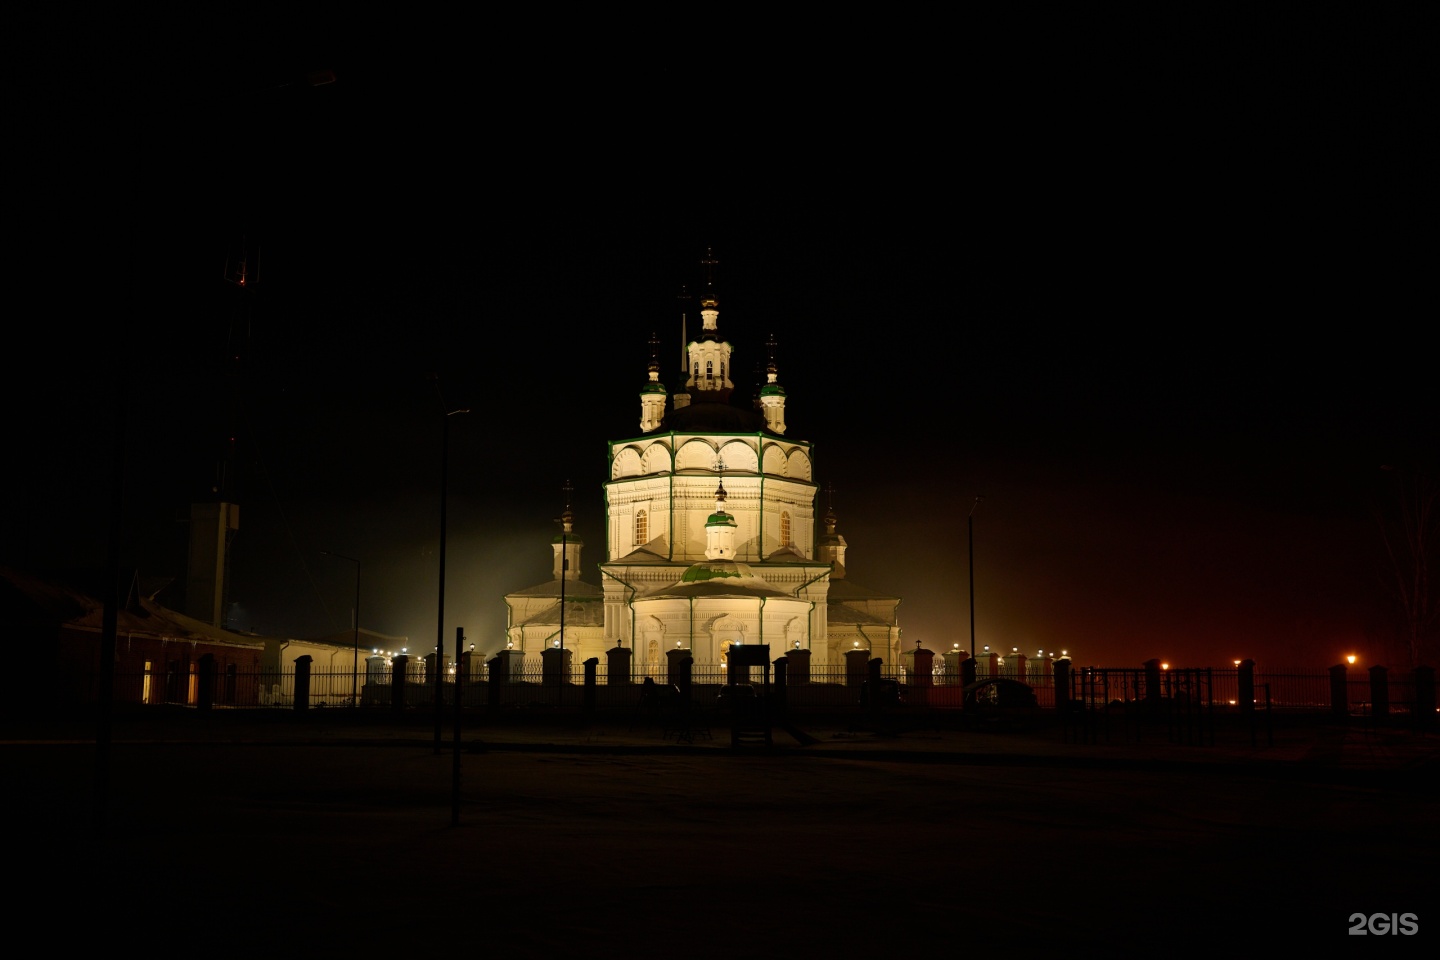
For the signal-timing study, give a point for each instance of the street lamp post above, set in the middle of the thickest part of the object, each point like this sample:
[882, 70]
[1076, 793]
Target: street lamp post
[970, 524]
[444, 499]
[566, 519]
[355, 659]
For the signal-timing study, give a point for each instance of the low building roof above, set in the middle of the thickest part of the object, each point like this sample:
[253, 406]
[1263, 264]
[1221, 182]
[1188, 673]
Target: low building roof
[579, 612]
[574, 589]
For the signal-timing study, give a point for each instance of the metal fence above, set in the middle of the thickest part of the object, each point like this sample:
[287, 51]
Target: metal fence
[529, 685]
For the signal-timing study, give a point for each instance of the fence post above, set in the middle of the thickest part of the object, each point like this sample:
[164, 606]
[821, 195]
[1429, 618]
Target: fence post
[677, 662]
[855, 667]
[1245, 681]
[1152, 682]
[493, 680]
[587, 703]
[797, 666]
[683, 666]
[1380, 692]
[1339, 691]
[1062, 686]
[617, 666]
[555, 666]
[778, 694]
[922, 666]
[302, 683]
[399, 669]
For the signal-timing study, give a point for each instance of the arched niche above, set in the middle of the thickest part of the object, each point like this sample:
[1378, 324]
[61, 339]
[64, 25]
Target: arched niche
[739, 457]
[656, 459]
[695, 454]
[627, 463]
[776, 463]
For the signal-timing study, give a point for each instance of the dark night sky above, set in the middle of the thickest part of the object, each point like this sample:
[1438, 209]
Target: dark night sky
[1168, 327]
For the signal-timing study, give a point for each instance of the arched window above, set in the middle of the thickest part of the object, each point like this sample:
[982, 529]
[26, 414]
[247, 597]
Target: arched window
[709, 370]
[784, 528]
[642, 528]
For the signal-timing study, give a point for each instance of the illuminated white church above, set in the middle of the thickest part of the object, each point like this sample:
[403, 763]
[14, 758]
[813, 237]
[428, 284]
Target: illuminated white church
[711, 538]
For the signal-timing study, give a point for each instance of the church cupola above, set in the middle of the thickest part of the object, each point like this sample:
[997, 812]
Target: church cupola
[772, 395]
[709, 356]
[567, 545]
[652, 395]
[720, 530]
[830, 548]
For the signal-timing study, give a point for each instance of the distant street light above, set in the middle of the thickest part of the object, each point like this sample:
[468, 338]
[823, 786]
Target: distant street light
[355, 660]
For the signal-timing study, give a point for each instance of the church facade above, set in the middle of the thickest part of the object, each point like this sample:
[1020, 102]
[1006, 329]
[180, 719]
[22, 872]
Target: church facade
[711, 536]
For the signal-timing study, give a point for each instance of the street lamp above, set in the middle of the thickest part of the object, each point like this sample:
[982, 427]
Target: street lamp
[970, 524]
[355, 660]
[566, 520]
[447, 413]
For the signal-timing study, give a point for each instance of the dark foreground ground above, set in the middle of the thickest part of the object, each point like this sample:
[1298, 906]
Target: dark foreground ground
[327, 835]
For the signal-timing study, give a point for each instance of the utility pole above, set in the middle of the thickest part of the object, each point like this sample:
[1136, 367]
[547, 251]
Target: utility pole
[566, 519]
[970, 523]
[446, 414]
